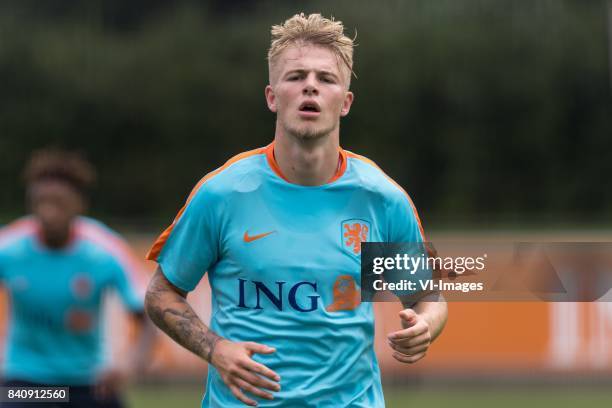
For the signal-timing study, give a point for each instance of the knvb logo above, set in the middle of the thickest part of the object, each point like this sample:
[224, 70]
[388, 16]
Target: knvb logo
[82, 286]
[346, 296]
[353, 233]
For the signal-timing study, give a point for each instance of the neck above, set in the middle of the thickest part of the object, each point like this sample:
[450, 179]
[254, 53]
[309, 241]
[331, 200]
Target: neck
[56, 239]
[307, 162]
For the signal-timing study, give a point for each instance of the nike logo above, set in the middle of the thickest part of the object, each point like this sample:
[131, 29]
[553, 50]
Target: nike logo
[252, 238]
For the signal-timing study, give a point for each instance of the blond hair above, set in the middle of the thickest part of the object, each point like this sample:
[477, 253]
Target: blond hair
[313, 29]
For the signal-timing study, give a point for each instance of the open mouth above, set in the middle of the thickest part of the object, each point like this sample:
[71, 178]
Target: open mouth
[310, 106]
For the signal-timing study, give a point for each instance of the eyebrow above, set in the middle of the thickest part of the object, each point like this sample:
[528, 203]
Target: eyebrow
[303, 71]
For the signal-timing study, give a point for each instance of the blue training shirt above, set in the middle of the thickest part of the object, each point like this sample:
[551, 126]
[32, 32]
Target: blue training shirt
[54, 333]
[283, 262]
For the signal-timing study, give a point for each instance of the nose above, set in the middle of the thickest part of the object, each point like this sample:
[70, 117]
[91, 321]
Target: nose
[310, 85]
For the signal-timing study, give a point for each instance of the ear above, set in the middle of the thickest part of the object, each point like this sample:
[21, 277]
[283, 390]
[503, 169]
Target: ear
[346, 104]
[270, 98]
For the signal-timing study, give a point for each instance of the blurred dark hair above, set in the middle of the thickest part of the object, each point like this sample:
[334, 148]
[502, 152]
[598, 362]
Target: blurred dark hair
[61, 165]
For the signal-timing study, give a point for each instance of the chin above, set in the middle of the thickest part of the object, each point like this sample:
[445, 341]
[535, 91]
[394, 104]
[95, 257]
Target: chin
[309, 131]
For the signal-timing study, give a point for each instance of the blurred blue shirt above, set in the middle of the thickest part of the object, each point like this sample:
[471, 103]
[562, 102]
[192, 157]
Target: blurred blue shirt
[54, 332]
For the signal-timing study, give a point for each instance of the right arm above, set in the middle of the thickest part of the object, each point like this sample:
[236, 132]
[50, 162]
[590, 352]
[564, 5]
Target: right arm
[168, 308]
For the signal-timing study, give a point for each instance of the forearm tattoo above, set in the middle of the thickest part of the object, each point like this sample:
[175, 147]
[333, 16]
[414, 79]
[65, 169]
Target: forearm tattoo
[172, 314]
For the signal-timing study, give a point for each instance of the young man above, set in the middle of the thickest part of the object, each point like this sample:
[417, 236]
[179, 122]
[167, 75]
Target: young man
[57, 266]
[279, 230]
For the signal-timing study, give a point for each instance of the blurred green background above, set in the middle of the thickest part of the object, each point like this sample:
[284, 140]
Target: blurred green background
[472, 397]
[486, 111]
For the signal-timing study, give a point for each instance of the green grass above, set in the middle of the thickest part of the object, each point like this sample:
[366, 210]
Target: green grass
[189, 396]
[171, 396]
[501, 398]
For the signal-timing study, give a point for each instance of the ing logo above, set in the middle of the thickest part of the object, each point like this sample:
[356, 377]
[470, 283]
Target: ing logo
[302, 296]
[353, 233]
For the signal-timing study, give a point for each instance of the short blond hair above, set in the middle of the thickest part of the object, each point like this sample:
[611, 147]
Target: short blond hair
[313, 29]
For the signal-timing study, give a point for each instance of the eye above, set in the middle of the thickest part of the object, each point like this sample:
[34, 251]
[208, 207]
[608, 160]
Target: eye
[328, 80]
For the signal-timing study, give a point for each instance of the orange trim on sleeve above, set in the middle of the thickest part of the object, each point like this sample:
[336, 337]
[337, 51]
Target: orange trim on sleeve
[269, 149]
[159, 243]
[370, 162]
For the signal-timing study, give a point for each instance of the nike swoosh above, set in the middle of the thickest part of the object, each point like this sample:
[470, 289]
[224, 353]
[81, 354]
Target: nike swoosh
[252, 238]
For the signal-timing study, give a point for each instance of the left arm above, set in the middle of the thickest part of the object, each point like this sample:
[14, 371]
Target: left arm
[422, 323]
[425, 312]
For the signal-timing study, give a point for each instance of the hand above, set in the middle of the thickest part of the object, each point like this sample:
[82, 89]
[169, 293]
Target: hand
[411, 343]
[240, 372]
[109, 383]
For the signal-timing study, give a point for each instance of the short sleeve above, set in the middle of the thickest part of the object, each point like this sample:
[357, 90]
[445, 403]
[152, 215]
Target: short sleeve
[405, 230]
[404, 222]
[3, 247]
[116, 258]
[189, 247]
[11, 235]
[127, 282]
[2, 264]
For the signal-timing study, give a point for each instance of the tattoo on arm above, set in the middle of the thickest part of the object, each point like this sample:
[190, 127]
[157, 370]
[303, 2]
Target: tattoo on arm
[170, 311]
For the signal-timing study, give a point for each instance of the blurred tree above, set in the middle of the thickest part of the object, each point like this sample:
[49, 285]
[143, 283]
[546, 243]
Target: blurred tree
[484, 110]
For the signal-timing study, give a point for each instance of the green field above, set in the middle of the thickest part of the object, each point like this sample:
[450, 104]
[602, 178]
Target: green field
[189, 396]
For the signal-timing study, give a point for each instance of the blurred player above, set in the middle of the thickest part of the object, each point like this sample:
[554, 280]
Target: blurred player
[56, 266]
[279, 230]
